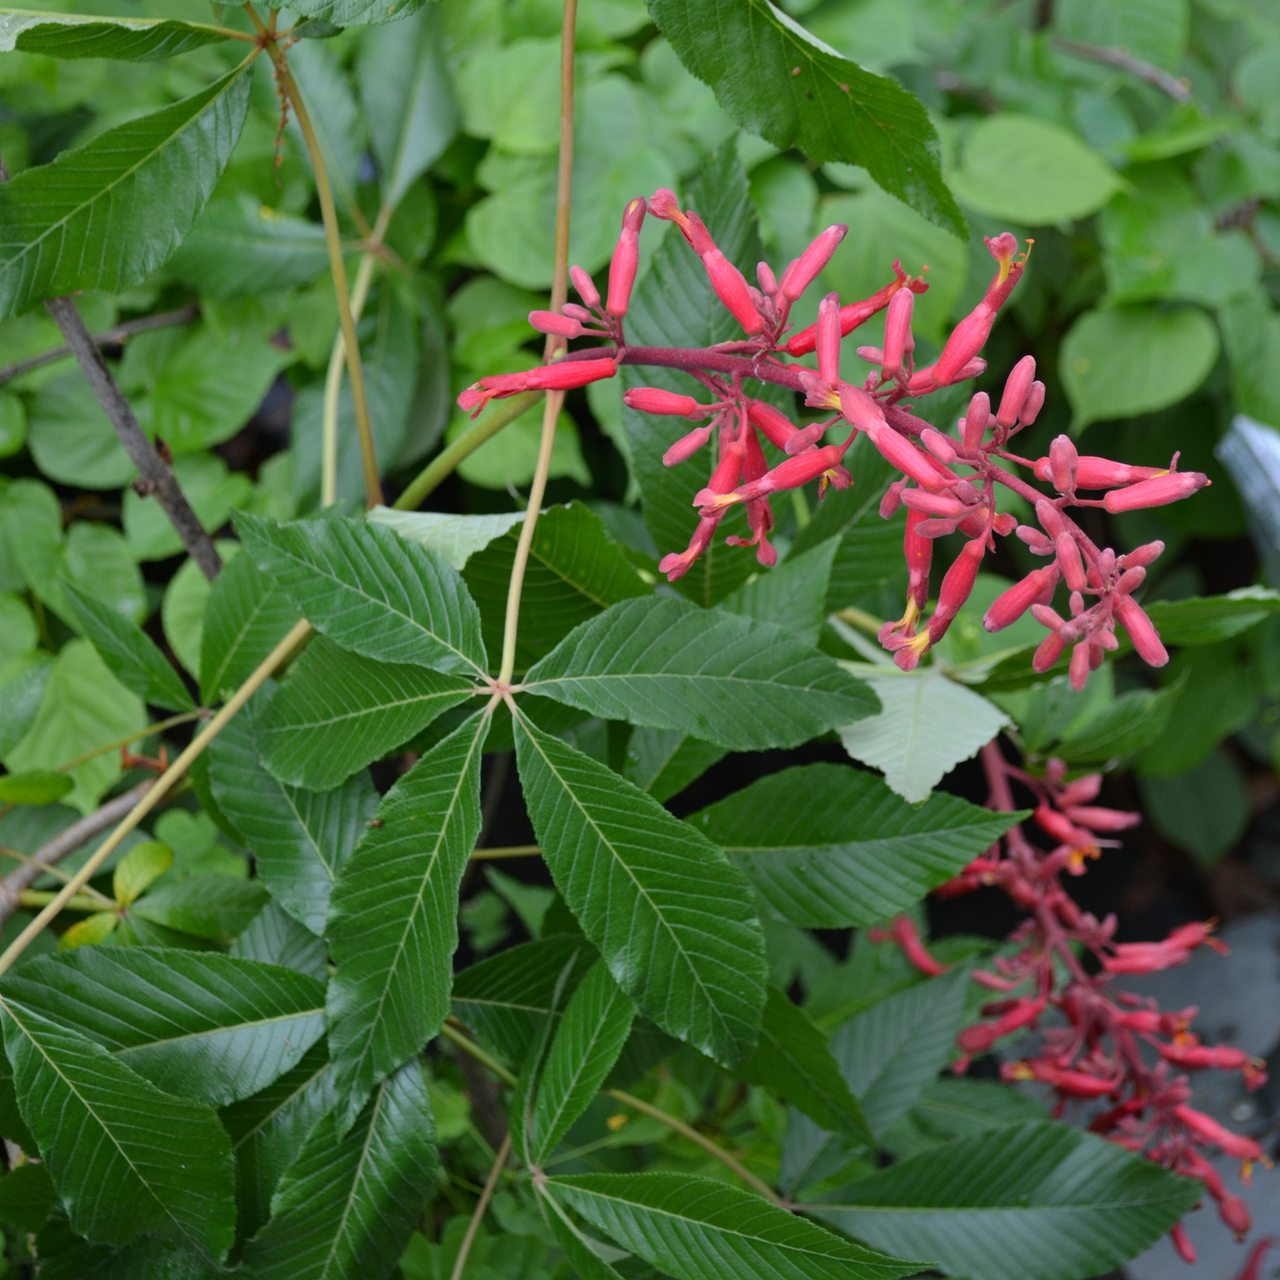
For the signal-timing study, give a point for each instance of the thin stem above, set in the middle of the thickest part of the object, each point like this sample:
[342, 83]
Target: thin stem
[701, 1139]
[78, 902]
[159, 727]
[1177, 88]
[482, 1204]
[467, 1045]
[44, 868]
[163, 785]
[555, 399]
[445, 463]
[333, 237]
[509, 851]
[337, 362]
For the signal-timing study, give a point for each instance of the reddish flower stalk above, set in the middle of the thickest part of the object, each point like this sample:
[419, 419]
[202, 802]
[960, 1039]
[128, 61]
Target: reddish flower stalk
[954, 476]
[1096, 1052]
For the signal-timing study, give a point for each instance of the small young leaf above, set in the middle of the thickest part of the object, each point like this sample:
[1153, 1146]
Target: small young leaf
[125, 1157]
[595, 1026]
[673, 919]
[370, 591]
[347, 1204]
[89, 931]
[35, 787]
[143, 863]
[669, 665]
[393, 917]
[699, 1229]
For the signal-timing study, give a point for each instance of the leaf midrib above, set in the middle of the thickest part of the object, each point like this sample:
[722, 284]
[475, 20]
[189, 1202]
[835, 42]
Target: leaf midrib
[214, 1031]
[275, 1111]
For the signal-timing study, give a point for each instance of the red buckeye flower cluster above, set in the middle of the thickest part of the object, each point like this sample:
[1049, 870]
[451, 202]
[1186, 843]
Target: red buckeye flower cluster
[1105, 1046]
[948, 480]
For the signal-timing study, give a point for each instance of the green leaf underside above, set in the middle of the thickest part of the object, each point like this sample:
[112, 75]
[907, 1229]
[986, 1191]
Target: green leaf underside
[298, 838]
[356, 13]
[125, 1157]
[794, 1059]
[506, 999]
[347, 1204]
[829, 846]
[726, 679]
[393, 917]
[370, 591]
[103, 215]
[695, 1229]
[595, 1026]
[1036, 1199]
[129, 652]
[201, 1025]
[339, 711]
[66, 35]
[777, 80]
[672, 917]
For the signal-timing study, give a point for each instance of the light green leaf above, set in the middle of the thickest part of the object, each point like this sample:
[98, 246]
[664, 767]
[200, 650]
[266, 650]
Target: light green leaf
[13, 424]
[143, 863]
[101, 216]
[673, 919]
[84, 707]
[928, 725]
[1132, 360]
[1031, 1202]
[890, 1052]
[669, 665]
[393, 916]
[696, 1228]
[828, 846]
[299, 838]
[595, 1026]
[337, 712]
[511, 95]
[453, 538]
[246, 616]
[793, 595]
[1154, 30]
[209, 906]
[347, 1204]
[197, 1024]
[129, 652]
[777, 80]
[1204, 811]
[182, 610]
[1031, 171]
[794, 1059]
[68, 35]
[583, 1254]
[125, 1157]
[34, 787]
[370, 591]
[211, 489]
[72, 439]
[665, 761]
[20, 700]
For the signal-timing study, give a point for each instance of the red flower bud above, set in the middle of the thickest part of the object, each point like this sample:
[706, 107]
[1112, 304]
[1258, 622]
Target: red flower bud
[1099, 473]
[829, 339]
[585, 286]
[774, 425]
[956, 586]
[976, 420]
[903, 932]
[561, 376]
[1050, 518]
[575, 312]
[731, 289]
[1063, 463]
[550, 322]
[1235, 1145]
[1070, 562]
[857, 313]
[1039, 544]
[1032, 405]
[1185, 1249]
[897, 333]
[1130, 581]
[935, 504]
[1146, 639]
[942, 447]
[1016, 387]
[626, 258]
[793, 473]
[1099, 819]
[1235, 1213]
[1156, 492]
[805, 438]
[1013, 603]
[1050, 650]
[688, 445]
[804, 270]
[892, 499]
[764, 275]
[655, 400]
[1079, 667]
[918, 552]
[1143, 555]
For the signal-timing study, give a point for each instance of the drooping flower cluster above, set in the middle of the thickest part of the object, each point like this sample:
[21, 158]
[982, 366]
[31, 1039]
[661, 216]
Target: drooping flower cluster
[1106, 1045]
[948, 480]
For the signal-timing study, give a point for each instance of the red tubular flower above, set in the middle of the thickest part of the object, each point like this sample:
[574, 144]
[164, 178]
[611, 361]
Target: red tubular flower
[655, 400]
[956, 586]
[774, 425]
[919, 553]
[1072, 1084]
[626, 258]
[1156, 492]
[1049, 651]
[1099, 473]
[1146, 639]
[935, 504]
[903, 932]
[1008, 607]
[1016, 387]
[723, 480]
[759, 513]
[562, 376]
[982, 1035]
[1186, 1250]
[1236, 1145]
[976, 420]
[1204, 1057]
[804, 270]
[828, 340]
[1100, 819]
[857, 313]
[550, 322]
[923, 381]
[897, 333]
[969, 336]
[805, 438]
[1064, 462]
[790, 474]
[942, 447]
[688, 445]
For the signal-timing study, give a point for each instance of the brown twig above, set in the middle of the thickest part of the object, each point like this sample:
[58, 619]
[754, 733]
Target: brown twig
[1176, 87]
[482, 1204]
[65, 842]
[482, 1093]
[155, 475]
[121, 333]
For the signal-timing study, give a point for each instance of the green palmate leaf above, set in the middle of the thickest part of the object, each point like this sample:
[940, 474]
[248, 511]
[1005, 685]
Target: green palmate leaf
[664, 761]
[506, 999]
[298, 838]
[209, 906]
[1031, 1202]
[927, 726]
[198, 1024]
[892, 1051]
[348, 1202]
[674, 305]
[408, 100]
[595, 1026]
[669, 665]
[339, 711]
[268, 1131]
[243, 247]
[828, 846]
[697, 1229]
[794, 1059]
[129, 652]
[779, 81]
[370, 591]
[246, 617]
[575, 570]
[393, 918]
[103, 215]
[672, 917]
[793, 595]
[125, 1157]
[453, 538]
[67, 35]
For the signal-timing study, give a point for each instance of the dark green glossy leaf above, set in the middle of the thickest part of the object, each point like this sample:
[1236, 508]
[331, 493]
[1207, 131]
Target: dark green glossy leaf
[65, 1256]
[209, 906]
[665, 761]
[27, 1194]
